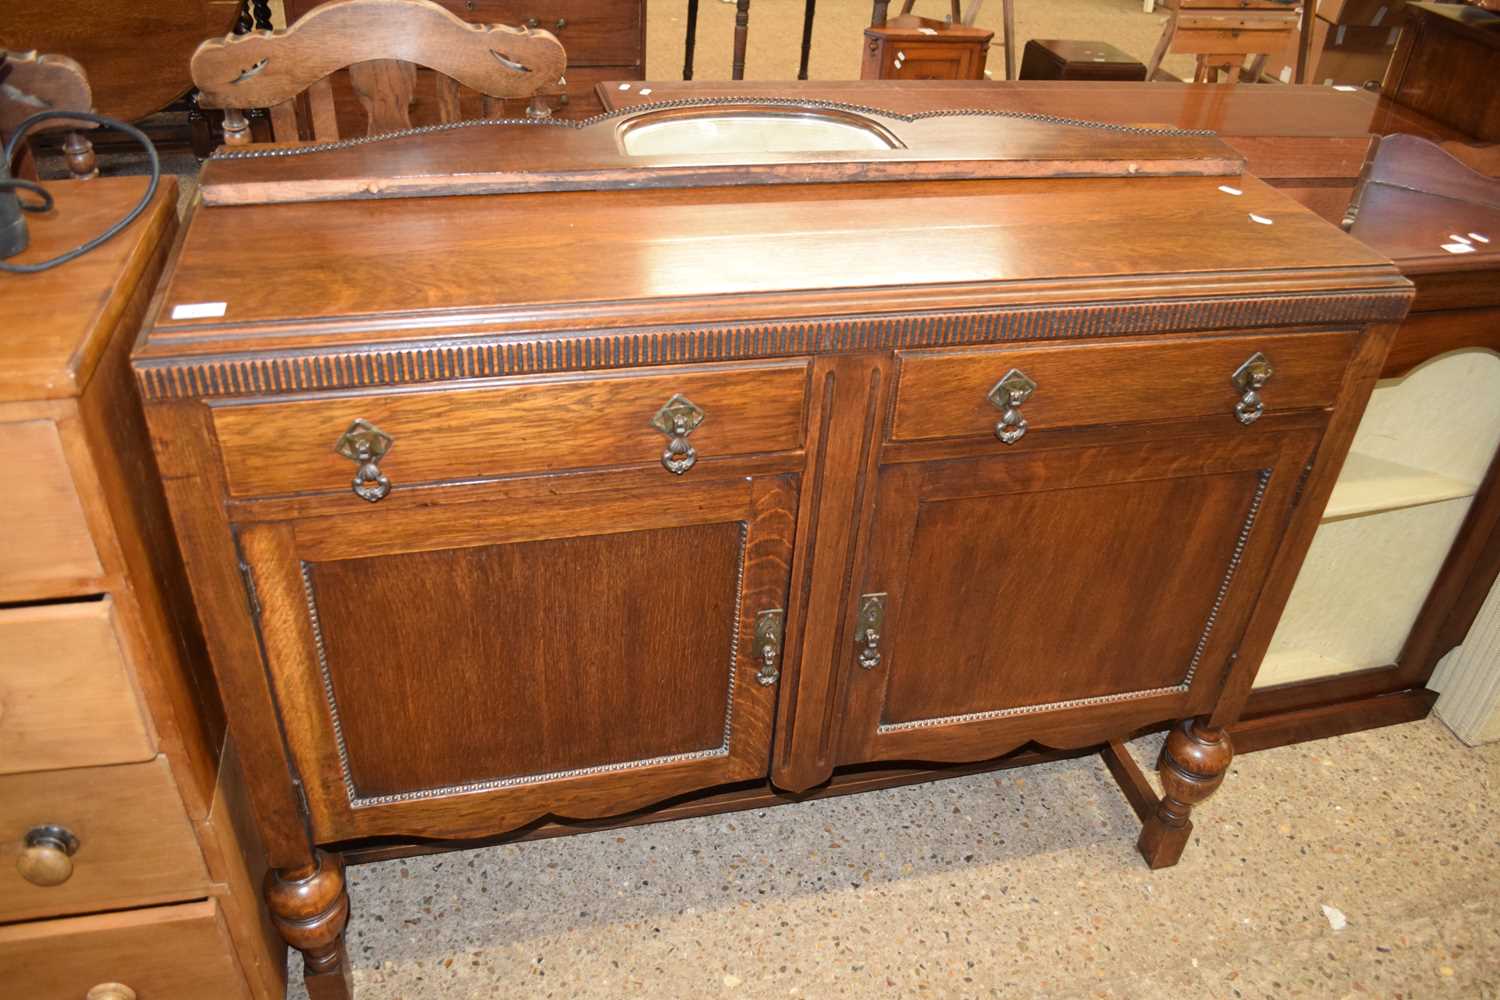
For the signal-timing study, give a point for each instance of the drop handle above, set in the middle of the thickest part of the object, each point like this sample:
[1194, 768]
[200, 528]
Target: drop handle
[365, 445]
[1249, 378]
[769, 626]
[47, 858]
[871, 623]
[677, 418]
[1007, 395]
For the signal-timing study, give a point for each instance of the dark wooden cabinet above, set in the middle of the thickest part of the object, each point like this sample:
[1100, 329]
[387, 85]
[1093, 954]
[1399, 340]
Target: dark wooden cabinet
[528, 654]
[574, 508]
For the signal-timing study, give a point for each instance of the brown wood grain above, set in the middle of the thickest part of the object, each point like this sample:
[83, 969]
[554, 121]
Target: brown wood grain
[944, 393]
[64, 959]
[521, 425]
[136, 55]
[259, 69]
[70, 700]
[135, 843]
[45, 545]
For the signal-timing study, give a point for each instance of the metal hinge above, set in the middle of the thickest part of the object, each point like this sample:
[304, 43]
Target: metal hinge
[251, 595]
[1302, 481]
[301, 791]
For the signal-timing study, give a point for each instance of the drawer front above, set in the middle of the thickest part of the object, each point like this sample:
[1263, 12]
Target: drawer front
[64, 959]
[943, 394]
[67, 698]
[133, 841]
[44, 539]
[518, 426]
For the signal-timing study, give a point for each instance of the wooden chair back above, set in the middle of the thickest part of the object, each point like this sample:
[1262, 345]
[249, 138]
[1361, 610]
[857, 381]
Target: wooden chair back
[30, 82]
[381, 43]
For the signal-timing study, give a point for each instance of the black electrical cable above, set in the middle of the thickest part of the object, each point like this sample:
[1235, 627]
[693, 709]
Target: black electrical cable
[15, 184]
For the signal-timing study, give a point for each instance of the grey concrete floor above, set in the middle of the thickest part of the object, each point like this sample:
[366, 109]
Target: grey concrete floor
[1020, 883]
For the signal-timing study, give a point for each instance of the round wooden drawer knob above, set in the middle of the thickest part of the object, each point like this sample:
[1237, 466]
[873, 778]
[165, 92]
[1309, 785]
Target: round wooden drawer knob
[47, 858]
[111, 991]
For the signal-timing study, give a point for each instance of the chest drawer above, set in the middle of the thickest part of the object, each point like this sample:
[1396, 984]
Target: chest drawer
[131, 841]
[66, 696]
[947, 394]
[65, 959]
[529, 425]
[44, 540]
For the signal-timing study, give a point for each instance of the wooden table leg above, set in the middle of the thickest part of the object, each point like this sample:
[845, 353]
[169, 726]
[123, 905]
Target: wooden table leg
[310, 909]
[741, 37]
[807, 30]
[692, 39]
[877, 19]
[1192, 765]
[1008, 9]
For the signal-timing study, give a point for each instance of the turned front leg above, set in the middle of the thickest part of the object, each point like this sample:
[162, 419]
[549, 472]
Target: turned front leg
[310, 909]
[1192, 765]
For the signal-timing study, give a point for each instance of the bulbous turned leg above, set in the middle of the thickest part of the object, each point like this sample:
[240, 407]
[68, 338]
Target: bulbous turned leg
[310, 909]
[1192, 765]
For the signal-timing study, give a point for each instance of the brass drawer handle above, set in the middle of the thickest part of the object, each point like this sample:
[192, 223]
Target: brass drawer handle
[1008, 395]
[1249, 378]
[678, 418]
[110, 991]
[365, 444]
[47, 859]
[871, 622]
[768, 631]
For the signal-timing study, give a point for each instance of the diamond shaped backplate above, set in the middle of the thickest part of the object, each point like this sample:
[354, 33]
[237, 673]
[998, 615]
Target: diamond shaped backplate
[1012, 390]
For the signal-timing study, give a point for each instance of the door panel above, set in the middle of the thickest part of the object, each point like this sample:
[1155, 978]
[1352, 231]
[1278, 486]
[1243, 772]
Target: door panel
[1057, 596]
[491, 672]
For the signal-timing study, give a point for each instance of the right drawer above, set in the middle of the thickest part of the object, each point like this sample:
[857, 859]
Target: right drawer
[945, 394]
[163, 953]
[66, 696]
[130, 837]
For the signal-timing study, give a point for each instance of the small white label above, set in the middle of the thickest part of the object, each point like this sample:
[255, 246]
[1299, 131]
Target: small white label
[1285, 76]
[1261, 219]
[1346, 88]
[644, 91]
[1478, 238]
[1230, 190]
[199, 310]
[624, 86]
[900, 56]
[926, 31]
[1455, 238]
[1459, 247]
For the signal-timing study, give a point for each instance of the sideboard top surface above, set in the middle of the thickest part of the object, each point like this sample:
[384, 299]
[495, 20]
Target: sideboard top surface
[362, 273]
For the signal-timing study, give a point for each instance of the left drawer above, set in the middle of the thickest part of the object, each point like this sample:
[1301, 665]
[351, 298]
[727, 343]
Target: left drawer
[67, 698]
[162, 953]
[129, 838]
[536, 424]
[45, 546]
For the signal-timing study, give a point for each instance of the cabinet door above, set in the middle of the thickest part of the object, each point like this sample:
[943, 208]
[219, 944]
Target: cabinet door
[458, 668]
[1064, 596]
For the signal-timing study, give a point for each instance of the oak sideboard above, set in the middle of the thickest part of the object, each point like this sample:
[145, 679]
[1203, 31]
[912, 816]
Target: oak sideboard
[557, 506]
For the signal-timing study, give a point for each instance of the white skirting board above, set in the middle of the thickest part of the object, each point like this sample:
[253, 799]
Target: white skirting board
[1469, 679]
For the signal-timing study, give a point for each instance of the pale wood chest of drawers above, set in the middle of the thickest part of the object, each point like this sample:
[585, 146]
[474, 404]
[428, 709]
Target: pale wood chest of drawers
[121, 823]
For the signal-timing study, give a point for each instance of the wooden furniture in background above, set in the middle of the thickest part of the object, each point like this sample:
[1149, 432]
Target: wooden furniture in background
[30, 83]
[604, 40]
[1410, 544]
[126, 850]
[381, 43]
[135, 54]
[1347, 42]
[1445, 67]
[383, 456]
[1065, 59]
[1221, 33]
[909, 47]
